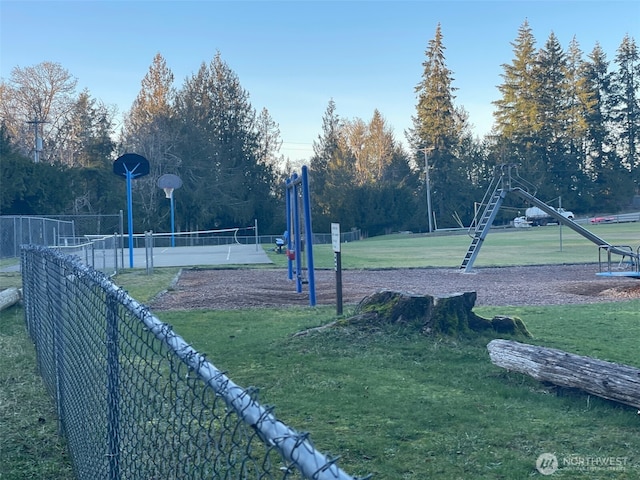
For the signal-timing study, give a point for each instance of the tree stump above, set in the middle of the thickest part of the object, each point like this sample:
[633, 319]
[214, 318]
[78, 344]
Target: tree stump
[448, 315]
[613, 381]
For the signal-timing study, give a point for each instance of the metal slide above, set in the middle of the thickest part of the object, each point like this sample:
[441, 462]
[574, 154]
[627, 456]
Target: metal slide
[617, 250]
[503, 183]
[561, 219]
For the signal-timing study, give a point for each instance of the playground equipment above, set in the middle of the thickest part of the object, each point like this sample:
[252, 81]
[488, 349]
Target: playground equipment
[298, 204]
[506, 180]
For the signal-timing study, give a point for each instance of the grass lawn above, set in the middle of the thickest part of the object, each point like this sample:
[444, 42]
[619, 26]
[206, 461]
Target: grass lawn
[390, 402]
[525, 246]
[401, 405]
[29, 445]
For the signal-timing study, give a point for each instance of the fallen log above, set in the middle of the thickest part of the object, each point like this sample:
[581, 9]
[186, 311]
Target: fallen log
[613, 381]
[9, 297]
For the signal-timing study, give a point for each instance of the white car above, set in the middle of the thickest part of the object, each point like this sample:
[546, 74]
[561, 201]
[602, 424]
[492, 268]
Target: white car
[521, 222]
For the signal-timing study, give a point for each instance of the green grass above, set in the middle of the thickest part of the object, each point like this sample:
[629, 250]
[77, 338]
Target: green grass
[10, 279]
[532, 246]
[144, 287]
[401, 405]
[392, 403]
[29, 445]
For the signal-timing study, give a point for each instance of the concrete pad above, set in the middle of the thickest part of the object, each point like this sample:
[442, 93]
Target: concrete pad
[232, 254]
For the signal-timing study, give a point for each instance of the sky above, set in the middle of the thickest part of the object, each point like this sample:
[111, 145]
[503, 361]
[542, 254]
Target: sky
[294, 57]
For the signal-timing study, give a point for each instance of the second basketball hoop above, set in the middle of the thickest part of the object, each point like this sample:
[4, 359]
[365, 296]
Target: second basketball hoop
[169, 182]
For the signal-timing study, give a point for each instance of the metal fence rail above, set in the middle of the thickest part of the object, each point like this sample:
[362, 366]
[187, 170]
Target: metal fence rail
[134, 400]
[100, 252]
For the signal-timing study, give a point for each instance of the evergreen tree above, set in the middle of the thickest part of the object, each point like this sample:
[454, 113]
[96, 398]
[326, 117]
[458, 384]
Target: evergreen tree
[150, 131]
[436, 127]
[269, 141]
[325, 149]
[552, 103]
[516, 114]
[610, 186]
[225, 182]
[29, 188]
[85, 141]
[626, 111]
[12, 179]
[581, 103]
[84, 138]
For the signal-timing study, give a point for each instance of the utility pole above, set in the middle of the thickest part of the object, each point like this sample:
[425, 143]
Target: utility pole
[38, 141]
[427, 151]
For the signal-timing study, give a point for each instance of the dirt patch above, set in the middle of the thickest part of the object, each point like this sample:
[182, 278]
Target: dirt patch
[535, 285]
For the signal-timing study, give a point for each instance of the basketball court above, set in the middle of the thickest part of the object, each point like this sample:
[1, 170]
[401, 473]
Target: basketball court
[208, 255]
[196, 256]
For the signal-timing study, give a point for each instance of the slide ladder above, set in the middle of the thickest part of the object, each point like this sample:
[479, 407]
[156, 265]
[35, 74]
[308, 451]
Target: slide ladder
[484, 224]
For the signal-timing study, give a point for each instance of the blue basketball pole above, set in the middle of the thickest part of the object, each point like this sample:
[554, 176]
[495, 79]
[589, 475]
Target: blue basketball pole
[130, 166]
[173, 239]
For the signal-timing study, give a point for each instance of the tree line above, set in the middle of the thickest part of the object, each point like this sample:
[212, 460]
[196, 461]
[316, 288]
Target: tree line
[570, 123]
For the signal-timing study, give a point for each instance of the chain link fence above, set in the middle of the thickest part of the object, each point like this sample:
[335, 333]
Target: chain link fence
[78, 235]
[19, 230]
[134, 400]
[102, 253]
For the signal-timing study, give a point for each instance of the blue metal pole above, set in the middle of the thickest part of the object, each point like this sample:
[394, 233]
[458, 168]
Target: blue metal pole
[308, 235]
[296, 233]
[289, 230]
[130, 217]
[173, 240]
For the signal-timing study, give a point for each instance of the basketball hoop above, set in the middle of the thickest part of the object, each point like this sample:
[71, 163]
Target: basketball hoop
[169, 182]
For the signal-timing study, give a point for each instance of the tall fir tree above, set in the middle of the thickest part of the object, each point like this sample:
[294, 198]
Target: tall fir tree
[226, 182]
[325, 149]
[516, 112]
[436, 128]
[610, 184]
[581, 103]
[150, 131]
[626, 85]
[552, 107]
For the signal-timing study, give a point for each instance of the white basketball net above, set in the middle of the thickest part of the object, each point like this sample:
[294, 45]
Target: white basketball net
[168, 192]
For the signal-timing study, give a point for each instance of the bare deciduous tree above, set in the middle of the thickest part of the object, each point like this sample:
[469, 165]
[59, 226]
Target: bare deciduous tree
[42, 94]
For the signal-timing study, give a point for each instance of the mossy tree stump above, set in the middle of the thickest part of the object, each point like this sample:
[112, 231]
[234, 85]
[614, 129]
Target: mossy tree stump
[447, 315]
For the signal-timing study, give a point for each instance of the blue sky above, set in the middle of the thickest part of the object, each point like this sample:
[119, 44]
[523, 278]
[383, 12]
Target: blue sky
[294, 57]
